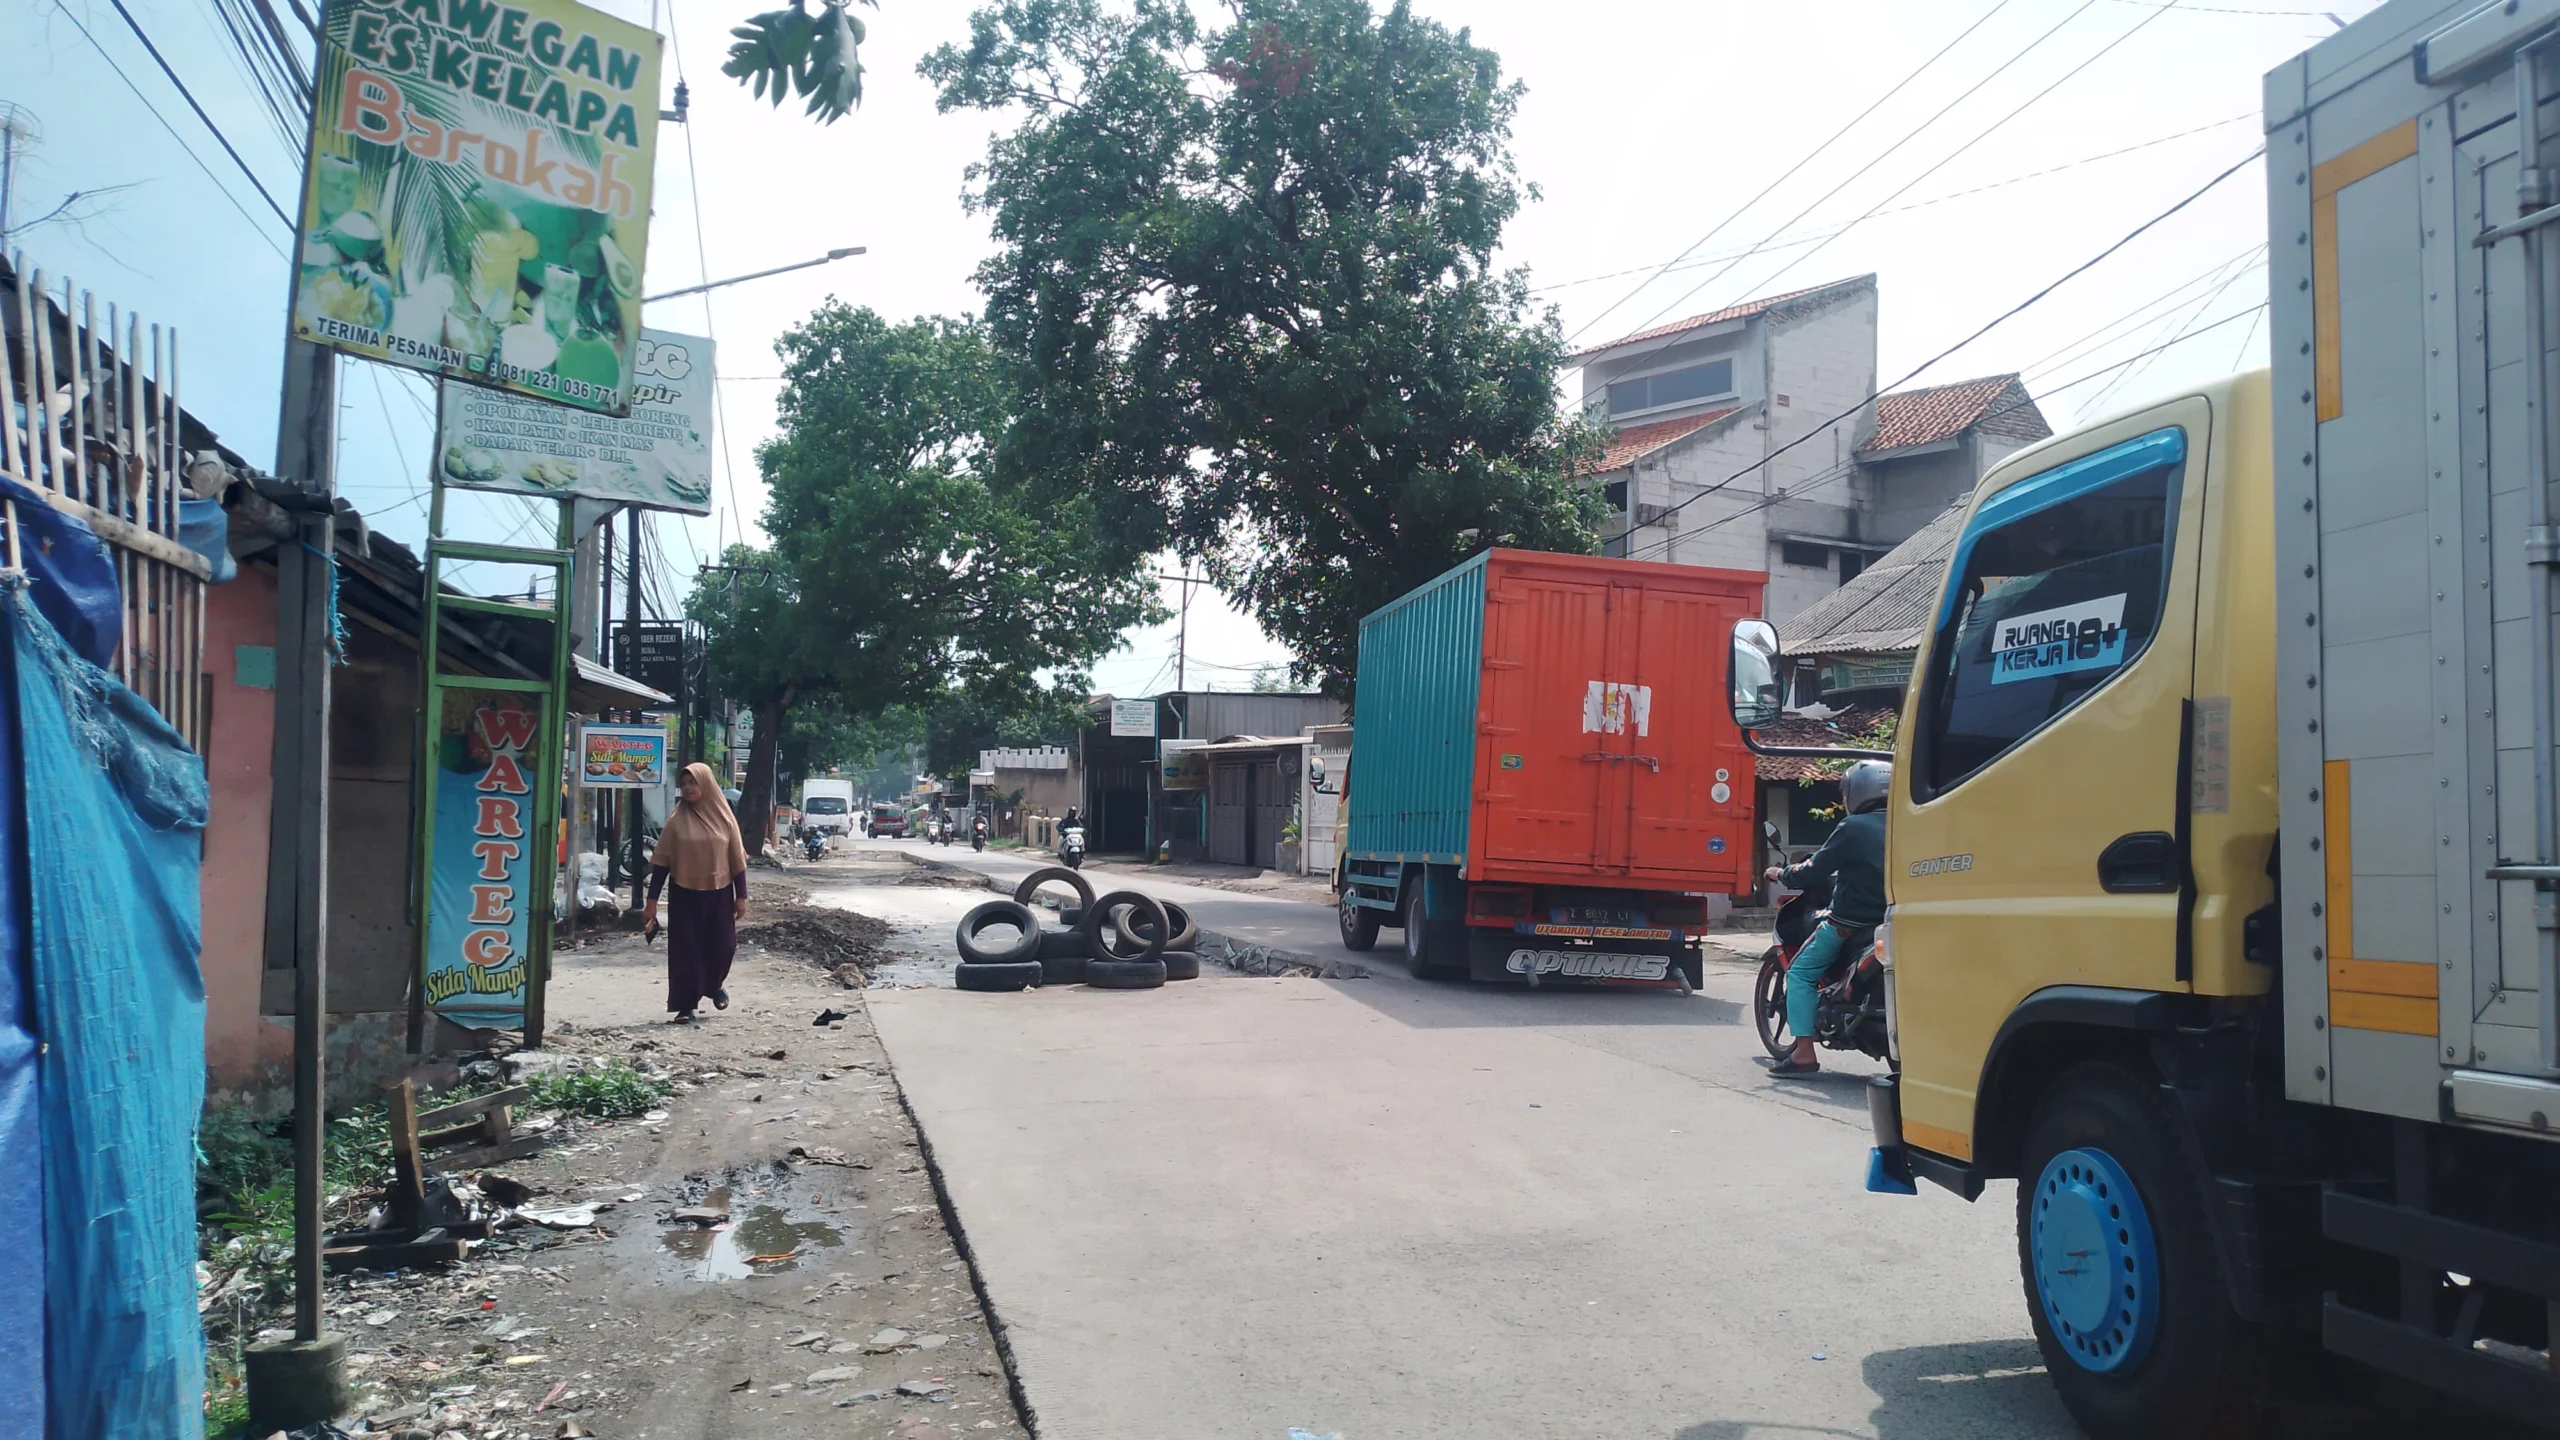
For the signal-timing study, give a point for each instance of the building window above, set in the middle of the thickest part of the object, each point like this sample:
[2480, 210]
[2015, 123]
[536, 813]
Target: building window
[1804, 556]
[1672, 387]
[1615, 492]
[1851, 562]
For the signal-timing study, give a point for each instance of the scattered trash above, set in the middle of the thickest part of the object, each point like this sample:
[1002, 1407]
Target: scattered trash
[1818, 1355]
[556, 1392]
[850, 1400]
[1301, 1433]
[923, 1389]
[654, 1117]
[776, 1054]
[572, 1430]
[510, 1193]
[805, 1337]
[827, 1155]
[561, 1217]
[829, 1017]
[745, 1384]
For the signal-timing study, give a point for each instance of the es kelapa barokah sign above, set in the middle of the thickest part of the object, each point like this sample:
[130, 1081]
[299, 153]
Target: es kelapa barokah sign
[477, 200]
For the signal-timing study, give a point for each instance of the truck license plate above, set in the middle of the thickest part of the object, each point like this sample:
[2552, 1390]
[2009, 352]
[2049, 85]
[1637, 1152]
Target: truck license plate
[1588, 964]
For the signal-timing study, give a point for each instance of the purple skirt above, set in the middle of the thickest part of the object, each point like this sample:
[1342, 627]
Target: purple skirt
[702, 938]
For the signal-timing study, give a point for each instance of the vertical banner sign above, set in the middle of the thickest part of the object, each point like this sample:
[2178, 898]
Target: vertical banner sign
[482, 886]
[476, 202]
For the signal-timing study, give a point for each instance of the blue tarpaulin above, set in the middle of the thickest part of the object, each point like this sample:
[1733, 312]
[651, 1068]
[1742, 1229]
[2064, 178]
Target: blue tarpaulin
[75, 575]
[113, 812]
[21, 1124]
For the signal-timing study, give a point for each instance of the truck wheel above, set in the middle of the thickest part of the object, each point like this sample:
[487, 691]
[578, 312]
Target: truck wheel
[2121, 1276]
[1359, 924]
[1424, 952]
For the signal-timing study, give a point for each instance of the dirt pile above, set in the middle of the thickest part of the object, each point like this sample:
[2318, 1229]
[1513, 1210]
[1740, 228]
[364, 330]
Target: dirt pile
[840, 942]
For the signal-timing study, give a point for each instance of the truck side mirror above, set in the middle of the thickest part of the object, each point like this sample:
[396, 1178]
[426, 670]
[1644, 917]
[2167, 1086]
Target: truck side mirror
[1754, 671]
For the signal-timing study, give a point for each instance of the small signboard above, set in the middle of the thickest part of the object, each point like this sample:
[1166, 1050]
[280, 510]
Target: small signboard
[659, 458]
[1182, 765]
[1133, 717]
[622, 757]
[482, 888]
[652, 652]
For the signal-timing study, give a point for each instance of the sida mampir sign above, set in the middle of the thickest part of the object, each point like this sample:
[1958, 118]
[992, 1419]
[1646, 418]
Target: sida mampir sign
[481, 891]
[477, 200]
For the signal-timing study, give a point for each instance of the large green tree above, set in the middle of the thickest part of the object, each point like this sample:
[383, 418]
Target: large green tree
[902, 566]
[1246, 286]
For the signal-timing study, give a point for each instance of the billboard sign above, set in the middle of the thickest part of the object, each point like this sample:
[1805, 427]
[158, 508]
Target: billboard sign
[476, 202]
[622, 757]
[659, 457]
[652, 652]
[482, 895]
[1133, 717]
[1182, 765]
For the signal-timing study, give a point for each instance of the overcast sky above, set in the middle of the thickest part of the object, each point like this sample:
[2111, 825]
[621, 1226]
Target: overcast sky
[1647, 125]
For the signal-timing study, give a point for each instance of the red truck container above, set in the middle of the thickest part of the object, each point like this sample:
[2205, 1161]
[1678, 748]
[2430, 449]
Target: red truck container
[1548, 783]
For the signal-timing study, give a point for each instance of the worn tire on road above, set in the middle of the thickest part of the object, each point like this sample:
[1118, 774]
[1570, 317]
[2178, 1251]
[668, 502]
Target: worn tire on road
[1062, 957]
[1180, 964]
[1024, 946]
[1102, 924]
[1124, 974]
[1032, 882]
[1019, 975]
[1186, 929]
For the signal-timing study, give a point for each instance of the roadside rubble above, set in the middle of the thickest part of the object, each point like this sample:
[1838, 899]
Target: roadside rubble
[761, 1253]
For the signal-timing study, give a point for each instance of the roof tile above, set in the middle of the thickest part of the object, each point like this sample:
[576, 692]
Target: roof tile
[1942, 412]
[1744, 311]
[1637, 441]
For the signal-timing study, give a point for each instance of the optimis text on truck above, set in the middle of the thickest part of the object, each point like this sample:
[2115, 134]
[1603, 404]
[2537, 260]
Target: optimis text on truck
[1546, 784]
[2224, 846]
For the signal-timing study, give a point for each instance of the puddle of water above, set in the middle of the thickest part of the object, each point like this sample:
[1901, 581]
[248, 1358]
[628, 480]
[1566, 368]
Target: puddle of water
[731, 1251]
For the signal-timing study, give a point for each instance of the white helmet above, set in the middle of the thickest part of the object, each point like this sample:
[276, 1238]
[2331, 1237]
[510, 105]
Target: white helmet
[1865, 785]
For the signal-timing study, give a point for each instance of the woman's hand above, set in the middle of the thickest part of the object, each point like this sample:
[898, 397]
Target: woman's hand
[649, 913]
[738, 908]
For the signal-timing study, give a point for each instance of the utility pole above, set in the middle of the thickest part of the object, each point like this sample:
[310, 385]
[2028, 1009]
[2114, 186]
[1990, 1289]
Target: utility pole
[630, 801]
[303, 1381]
[1182, 631]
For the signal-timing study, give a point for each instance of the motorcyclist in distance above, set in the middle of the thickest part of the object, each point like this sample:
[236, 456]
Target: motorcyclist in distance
[1853, 861]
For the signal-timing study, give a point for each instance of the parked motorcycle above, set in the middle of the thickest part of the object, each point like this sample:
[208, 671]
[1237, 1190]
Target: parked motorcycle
[1849, 1014]
[813, 843]
[1071, 846]
[978, 832]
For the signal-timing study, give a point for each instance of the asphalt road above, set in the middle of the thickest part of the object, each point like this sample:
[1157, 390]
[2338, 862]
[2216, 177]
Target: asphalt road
[1382, 1208]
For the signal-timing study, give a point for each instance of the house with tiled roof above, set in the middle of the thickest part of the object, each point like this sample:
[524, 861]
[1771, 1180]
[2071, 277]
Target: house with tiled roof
[1750, 437]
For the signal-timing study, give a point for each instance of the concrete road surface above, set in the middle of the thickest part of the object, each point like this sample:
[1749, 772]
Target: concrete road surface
[1389, 1210]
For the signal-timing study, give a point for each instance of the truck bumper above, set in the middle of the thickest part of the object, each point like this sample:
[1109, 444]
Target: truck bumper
[1888, 1165]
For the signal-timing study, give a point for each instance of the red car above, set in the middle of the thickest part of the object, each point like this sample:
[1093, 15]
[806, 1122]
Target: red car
[888, 822]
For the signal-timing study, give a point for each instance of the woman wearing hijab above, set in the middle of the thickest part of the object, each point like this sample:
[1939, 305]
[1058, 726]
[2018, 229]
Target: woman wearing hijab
[702, 854]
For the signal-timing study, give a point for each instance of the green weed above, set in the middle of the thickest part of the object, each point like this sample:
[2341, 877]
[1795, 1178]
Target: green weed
[608, 1092]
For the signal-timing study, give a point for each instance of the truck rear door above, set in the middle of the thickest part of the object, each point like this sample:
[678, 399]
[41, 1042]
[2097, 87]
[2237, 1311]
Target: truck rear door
[1544, 792]
[1687, 770]
[2037, 821]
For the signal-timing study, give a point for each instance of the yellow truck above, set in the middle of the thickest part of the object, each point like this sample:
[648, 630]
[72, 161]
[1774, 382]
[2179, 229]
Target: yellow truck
[2224, 843]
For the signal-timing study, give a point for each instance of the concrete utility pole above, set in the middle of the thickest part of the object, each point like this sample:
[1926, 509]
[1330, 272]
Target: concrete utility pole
[303, 1381]
[630, 800]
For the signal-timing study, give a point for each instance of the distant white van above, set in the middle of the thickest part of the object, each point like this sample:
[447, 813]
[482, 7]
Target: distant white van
[827, 805]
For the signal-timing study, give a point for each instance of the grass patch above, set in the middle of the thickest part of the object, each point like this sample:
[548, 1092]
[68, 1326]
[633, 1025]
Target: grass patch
[611, 1091]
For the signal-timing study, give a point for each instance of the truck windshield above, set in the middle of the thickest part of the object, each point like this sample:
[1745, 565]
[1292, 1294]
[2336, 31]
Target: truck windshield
[825, 805]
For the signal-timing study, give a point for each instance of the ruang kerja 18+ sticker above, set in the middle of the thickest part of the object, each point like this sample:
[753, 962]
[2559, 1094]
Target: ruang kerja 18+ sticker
[2087, 635]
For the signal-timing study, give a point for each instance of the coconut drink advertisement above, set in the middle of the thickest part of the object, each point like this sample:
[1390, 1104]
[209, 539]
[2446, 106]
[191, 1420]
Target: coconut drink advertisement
[481, 896]
[477, 200]
[659, 457]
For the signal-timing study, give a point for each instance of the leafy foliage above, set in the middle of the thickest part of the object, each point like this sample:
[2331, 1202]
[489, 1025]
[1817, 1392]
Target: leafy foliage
[1246, 288]
[607, 1092]
[818, 56]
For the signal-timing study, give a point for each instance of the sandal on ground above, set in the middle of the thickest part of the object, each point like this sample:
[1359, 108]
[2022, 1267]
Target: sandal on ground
[683, 1017]
[1792, 1069]
[720, 999]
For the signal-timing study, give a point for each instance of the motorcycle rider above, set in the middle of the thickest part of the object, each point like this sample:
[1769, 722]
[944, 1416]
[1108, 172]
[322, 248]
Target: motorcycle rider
[1853, 861]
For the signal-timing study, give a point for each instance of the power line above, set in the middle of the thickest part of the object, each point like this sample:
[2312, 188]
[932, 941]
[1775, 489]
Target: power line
[1908, 136]
[702, 259]
[1705, 261]
[227, 149]
[1793, 170]
[180, 140]
[2003, 318]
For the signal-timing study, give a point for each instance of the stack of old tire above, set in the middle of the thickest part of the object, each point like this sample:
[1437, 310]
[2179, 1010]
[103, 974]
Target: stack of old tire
[1124, 940]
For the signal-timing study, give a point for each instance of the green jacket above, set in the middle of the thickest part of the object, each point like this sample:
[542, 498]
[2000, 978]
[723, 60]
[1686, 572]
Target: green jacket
[1853, 860]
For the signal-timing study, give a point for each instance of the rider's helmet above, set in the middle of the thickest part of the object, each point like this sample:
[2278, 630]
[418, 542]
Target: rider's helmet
[1865, 785]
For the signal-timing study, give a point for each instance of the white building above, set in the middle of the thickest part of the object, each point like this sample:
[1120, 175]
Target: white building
[1750, 438]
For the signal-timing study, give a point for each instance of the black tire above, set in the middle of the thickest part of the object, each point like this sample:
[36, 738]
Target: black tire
[1024, 946]
[2205, 1370]
[1124, 974]
[1032, 882]
[1062, 957]
[1072, 916]
[1102, 924]
[1019, 975]
[1075, 862]
[1359, 924]
[1180, 964]
[1186, 930]
[1769, 1005]
[1425, 944]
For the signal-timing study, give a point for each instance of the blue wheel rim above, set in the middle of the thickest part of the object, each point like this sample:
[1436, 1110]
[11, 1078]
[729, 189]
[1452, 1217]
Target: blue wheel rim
[2097, 1265]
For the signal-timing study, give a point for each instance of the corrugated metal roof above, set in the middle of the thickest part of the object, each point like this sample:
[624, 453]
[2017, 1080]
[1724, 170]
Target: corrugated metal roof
[1890, 605]
[1744, 311]
[1998, 403]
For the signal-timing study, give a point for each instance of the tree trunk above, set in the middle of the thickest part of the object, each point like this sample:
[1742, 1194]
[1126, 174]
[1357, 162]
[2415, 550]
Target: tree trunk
[755, 800]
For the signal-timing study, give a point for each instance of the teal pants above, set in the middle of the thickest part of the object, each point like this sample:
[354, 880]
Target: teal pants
[1813, 964]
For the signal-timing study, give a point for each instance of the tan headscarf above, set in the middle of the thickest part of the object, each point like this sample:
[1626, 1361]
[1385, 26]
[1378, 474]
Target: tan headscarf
[701, 846]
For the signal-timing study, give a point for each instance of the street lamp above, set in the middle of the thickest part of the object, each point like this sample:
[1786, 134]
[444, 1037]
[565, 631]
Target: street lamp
[828, 258]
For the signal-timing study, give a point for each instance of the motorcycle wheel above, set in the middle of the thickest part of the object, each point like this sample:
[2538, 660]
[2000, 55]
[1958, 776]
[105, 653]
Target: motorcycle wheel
[1769, 1005]
[1074, 862]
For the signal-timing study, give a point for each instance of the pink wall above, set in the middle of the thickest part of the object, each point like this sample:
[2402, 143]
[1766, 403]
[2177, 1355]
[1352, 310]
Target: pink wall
[239, 1044]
